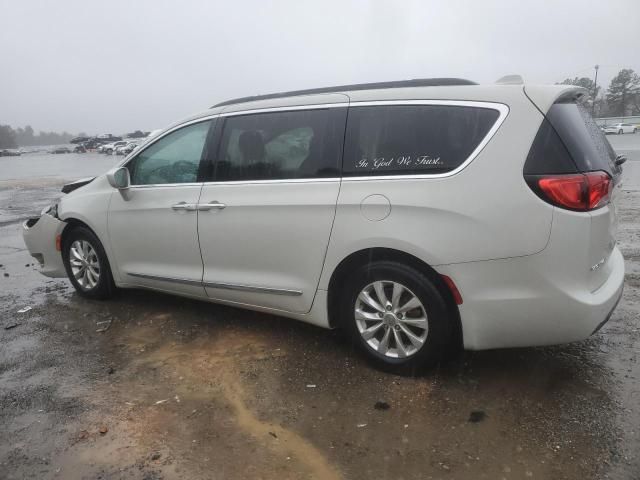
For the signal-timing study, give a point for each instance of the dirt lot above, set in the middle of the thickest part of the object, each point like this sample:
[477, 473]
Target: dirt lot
[149, 386]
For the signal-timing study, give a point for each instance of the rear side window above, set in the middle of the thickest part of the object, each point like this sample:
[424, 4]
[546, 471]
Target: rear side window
[280, 145]
[569, 141]
[413, 139]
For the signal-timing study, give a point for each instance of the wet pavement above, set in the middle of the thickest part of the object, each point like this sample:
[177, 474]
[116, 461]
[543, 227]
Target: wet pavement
[149, 386]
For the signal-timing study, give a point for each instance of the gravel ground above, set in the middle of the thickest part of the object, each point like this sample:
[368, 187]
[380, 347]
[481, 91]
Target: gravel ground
[150, 386]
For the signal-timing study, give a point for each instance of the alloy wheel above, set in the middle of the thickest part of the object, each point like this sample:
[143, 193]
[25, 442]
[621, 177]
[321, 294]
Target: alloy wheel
[85, 266]
[391, 319]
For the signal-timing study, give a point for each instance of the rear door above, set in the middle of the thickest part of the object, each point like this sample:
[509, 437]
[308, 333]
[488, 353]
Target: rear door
[271, 205]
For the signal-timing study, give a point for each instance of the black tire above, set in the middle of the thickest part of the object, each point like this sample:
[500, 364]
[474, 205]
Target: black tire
[439, 318]
[620, 132]
[105, 287]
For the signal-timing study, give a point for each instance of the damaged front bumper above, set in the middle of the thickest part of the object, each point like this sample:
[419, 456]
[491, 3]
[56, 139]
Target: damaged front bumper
[42, 238]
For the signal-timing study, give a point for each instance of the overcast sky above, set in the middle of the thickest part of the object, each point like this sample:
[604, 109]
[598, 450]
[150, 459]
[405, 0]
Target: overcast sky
[116, 66]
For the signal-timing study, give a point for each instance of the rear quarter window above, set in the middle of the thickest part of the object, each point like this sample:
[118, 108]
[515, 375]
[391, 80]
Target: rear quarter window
[413, 139]
[570, 141]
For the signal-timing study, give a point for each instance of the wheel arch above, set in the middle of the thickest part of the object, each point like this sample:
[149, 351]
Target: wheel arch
[73, 222]
[368, 255]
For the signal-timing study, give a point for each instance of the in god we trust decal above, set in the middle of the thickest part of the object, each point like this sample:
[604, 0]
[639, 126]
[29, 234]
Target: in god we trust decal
[408, 162]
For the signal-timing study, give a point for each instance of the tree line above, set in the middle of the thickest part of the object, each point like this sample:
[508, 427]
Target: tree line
[621, 99]
[26, 137]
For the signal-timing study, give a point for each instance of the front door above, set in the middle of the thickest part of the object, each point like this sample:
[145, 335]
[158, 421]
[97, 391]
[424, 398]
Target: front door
[153, 224]
[271, 206]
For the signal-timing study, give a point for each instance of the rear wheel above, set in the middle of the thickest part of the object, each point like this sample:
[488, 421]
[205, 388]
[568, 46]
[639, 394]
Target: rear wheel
[620, 132]
[396, 315]
[86, 264]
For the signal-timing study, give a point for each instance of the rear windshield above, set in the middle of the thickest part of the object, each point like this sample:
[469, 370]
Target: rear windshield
[585, 142]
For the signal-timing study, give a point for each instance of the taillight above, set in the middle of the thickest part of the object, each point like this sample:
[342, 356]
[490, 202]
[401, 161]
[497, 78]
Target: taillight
[580, 191]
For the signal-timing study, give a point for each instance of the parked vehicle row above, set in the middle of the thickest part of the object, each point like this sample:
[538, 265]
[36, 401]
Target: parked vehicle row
[419, 216]
[10, 152]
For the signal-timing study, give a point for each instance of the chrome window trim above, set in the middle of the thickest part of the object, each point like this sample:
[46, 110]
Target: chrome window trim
[219, 285]
[166, 185]
[315, 106]
[267, 182]
[503, 111]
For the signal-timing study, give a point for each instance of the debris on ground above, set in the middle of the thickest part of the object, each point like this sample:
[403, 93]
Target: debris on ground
[111, 371]
[105, 328]
[477, 416]
[311, 385]
[379, 405]
[6, 274]
[361, 425]
[160, 402]
[103, 430]
[25, 309]
[11, 325]
[155, 456]
[273, 434]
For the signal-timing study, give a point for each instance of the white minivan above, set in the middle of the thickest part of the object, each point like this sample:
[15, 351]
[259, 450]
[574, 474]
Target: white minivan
[419, 216]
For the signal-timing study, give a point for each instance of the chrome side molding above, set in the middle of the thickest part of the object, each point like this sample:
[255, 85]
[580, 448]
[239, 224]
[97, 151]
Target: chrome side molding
[221, 286]
[184, 281]
[253, 288]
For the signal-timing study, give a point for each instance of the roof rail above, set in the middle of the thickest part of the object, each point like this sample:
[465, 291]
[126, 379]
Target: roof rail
[416, 82]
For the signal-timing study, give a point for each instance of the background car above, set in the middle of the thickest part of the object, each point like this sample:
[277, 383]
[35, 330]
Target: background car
[126, 149]
[620, 128]
[61, 150]
[110, 148]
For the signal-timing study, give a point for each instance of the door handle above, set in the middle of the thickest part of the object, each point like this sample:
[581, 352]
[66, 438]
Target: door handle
[190, 207]
[208, 206]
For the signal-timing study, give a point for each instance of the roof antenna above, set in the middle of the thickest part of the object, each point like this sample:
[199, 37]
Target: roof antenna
[510, 80]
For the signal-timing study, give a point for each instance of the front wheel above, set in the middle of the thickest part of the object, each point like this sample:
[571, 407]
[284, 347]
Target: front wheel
[87, 265]
[620, 132]
[396, 315]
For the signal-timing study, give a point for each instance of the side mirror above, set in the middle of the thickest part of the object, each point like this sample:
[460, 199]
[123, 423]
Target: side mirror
[119, 178]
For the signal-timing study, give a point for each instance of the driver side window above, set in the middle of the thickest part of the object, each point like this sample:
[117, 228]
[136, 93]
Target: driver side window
[174, 158]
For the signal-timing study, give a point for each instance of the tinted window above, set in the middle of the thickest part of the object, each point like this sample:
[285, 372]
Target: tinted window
[548, 153]
[587, 145]
[400, 140]
[174, 158]
[280, 145]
